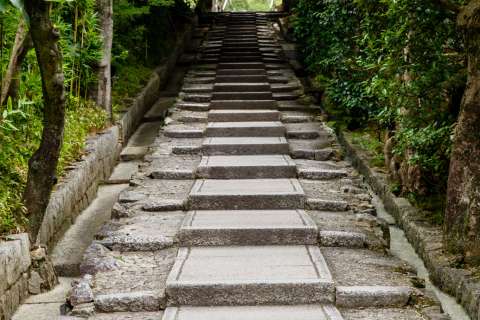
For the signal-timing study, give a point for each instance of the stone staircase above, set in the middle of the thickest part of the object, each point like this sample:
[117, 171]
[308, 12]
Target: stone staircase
[243, 210]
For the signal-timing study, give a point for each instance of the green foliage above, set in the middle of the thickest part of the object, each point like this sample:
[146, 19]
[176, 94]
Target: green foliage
[21, 120]
[145, 33]
[129, 80]
[251, 5]
[372, 145]
[396, 64]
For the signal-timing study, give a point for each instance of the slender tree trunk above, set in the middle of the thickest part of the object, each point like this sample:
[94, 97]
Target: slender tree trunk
[20, 48]
[43, 164]
[104, 85]
[462, 216]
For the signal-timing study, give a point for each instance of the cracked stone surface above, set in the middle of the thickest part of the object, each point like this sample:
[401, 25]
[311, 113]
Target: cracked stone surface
[136, 272]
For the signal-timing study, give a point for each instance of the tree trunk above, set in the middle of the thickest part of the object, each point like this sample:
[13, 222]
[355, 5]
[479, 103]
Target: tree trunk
[20, 48]
[462, 215]
[104, 85]
[43, 164]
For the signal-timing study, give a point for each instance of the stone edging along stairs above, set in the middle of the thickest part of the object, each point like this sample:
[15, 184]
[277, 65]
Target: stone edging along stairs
[242, 209]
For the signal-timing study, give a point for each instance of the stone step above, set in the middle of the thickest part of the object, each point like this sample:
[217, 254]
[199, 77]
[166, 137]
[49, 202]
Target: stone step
[245, 146]
[249, 275]
[228, 79]
[240, 58]
[245, 129]
[280, 312]
[243, 104]
[247, 95]
[247, 227]
[237, 72]
[246, 167]
[192, 106]
[236, 194]
[241, 87]
[243, 115]
[241, 65]
[251, 52]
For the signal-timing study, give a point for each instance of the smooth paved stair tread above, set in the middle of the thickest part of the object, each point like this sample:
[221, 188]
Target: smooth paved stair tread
[246, 167]
[246, 194]
[244, 275]
[299, 312]
[245, 145]
[245, 129]
[237, 103]
[243, 115]
[244, 227]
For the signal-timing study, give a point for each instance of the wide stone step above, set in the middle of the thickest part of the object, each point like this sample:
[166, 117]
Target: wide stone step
[237, 72]
[228, 79]
[244, 58]
[283, 312]
[241, 65]
[245, 129]
[246, 167]
[241, 87]
[243, 104]
[243, 115]
[248, 95]
[247, 227]
[236, 194]
[249, 275]
[245, 145]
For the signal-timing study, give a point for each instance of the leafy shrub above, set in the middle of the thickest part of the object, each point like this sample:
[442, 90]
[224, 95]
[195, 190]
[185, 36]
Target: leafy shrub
[395, 64]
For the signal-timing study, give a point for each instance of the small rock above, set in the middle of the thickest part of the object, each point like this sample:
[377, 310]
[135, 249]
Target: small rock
[97, 258]
[38, 254]
[81, 292]
[84, 310]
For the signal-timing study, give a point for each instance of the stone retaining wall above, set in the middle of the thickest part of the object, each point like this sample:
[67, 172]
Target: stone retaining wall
[14, 272]
[425, 238]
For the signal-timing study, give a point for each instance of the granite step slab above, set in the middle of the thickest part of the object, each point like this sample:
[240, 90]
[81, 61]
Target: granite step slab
[237, 194]
[243, 115]
[241, 78]
[242, 87]
[245, 146]
[241, 65]
[245, 129]
[247, 227]
[245, 95]
[249, 275]
[243, 104]
[246, 167]
[280, 312]
[242, 71]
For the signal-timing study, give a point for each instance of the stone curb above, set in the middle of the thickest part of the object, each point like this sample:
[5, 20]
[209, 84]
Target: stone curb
[426, 239]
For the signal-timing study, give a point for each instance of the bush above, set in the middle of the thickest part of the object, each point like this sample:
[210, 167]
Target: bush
[396, 65]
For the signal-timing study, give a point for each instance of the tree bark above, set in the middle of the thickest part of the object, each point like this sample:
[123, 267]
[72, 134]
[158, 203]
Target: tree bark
[43, 164]
[20, 48]
[462, 215]
[104, 84]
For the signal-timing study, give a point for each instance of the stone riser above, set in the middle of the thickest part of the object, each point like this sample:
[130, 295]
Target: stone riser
[243, 115]
[243, 202]
[269, 129]
[243, 104]
[223, 294]
[244, 172]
